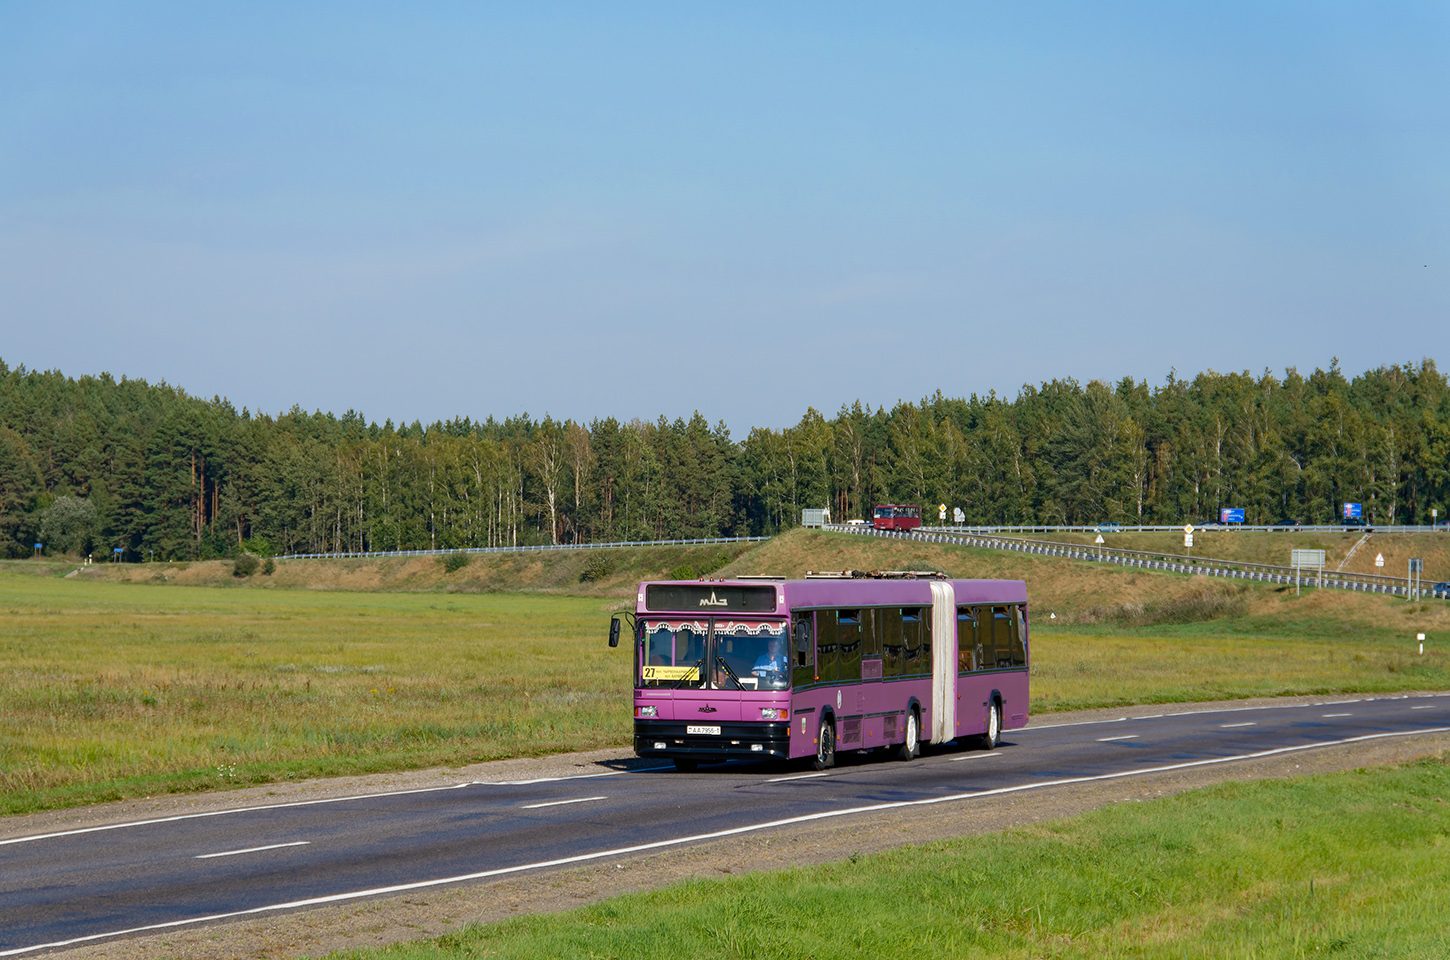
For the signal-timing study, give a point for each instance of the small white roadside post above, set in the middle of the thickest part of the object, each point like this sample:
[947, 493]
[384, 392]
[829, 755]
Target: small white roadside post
[1421, 637]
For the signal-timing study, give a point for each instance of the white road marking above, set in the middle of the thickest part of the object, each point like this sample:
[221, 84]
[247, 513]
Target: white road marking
[977, 756]
[1246, 724]
[697, 838]
[1195, 713]
[559, 803]
[577, 776]
[222, 813]
[799, 776]
[1428, 706]
[1338, 715]
[233, 853]
[1126, 736]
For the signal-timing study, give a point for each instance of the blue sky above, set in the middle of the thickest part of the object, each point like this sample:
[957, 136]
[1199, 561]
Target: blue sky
[745, 209]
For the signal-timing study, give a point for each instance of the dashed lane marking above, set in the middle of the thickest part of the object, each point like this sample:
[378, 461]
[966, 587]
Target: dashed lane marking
[233, 853]
[559, 803]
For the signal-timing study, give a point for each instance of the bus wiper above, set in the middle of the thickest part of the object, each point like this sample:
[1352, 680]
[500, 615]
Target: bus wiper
[730, 673]
[699, 669]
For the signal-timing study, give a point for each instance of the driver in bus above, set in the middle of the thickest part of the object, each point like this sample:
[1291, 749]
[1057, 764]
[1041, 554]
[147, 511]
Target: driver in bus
[772, 662]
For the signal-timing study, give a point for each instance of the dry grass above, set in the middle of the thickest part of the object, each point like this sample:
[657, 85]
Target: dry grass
[595, 572]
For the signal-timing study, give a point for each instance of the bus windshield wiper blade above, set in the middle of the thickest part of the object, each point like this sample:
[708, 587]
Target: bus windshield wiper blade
[699, 669]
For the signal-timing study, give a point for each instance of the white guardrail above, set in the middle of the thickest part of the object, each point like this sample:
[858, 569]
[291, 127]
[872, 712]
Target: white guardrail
[1208, 567]
[1211, 525]
[443, 552]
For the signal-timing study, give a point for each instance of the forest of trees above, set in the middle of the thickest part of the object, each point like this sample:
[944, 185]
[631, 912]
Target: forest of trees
[95, 463]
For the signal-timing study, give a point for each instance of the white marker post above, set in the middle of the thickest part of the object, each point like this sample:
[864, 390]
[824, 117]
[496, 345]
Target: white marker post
[1422, 644]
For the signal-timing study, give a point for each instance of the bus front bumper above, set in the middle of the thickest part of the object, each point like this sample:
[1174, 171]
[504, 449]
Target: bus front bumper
[672, 738]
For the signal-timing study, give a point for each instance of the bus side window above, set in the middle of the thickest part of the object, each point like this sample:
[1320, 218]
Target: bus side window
[827, 647]
[870, 635]
[986, 649]
[911, 638]
[966, 640]
[1002, 635]
[1019, 637]
[848, 643]
[803, 650]
[888, 624]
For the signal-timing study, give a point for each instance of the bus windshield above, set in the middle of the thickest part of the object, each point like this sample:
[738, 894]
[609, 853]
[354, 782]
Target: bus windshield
[744, 654]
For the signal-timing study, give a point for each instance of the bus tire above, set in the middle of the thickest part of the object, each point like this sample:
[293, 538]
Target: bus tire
[911, 746]
[993, 736]
[685, 766]
[825, 745]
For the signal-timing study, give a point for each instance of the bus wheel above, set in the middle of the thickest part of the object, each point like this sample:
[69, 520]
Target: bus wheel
[685, 766]
[912, 745]
[825, 746]
[993, 736]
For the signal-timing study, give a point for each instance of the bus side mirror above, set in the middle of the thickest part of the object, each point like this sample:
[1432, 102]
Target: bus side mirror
[802, 637]
[614, 631]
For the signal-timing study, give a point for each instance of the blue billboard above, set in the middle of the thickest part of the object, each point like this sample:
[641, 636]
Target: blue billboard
[1352, 511]
[1231, 515]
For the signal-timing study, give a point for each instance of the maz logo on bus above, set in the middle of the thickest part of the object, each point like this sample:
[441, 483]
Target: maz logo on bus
[712, 602]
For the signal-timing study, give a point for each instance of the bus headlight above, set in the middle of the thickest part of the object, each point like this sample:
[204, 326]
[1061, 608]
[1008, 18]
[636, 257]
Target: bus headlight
[648, 711]
[772, 713]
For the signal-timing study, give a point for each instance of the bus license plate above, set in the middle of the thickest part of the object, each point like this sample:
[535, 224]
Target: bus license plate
[703, 731]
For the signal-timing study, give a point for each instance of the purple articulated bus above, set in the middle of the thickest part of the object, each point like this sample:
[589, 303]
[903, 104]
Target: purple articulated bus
[767, 667]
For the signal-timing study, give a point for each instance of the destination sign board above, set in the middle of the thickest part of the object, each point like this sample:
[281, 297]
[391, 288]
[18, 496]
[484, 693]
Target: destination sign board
[1231, 515]
[1353, 511]
[709, 598]
[656, 673]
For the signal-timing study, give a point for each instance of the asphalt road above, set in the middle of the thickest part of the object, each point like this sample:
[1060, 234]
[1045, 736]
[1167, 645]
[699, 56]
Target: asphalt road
[81, 886]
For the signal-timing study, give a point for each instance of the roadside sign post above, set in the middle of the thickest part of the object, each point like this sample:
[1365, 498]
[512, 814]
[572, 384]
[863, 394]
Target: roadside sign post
[1422, 644]
[1412, 581]
[1188, 539]
[1310, 559]
[1379, 559]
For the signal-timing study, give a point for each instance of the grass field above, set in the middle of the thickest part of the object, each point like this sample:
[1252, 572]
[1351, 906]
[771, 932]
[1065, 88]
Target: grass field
[1346, 865]
[112, 690]
[115, 690]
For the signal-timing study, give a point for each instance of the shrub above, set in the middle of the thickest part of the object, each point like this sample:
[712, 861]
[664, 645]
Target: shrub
[597, 567]
[684, 571]
[453, 562]
[268, 565]
[245, 565]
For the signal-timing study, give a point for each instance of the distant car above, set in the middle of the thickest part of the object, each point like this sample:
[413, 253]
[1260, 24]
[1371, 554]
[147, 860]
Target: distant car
[1443, 525]
[1352, 522]
[855, 523]
[1443, 589]
[1208, 525]
[1286, 523]
[1110, 527]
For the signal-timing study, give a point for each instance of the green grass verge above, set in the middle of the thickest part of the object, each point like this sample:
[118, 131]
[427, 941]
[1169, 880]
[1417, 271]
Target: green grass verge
[1345, 865]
